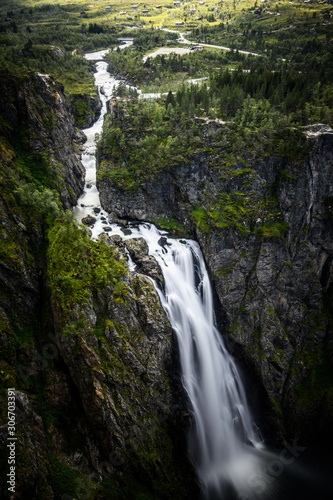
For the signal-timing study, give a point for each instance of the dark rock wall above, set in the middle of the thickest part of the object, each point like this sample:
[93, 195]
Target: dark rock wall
[37, 119]
[100, 409]
[274, 289]
[100, 412]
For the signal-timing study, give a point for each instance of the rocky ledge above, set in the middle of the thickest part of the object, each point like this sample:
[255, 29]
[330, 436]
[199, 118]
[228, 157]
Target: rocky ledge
[273, 277]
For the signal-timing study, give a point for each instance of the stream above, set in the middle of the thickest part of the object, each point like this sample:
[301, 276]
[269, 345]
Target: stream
[225, 445]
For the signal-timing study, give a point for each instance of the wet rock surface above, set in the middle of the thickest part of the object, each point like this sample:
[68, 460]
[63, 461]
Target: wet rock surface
[146, 264]
[89, 220]
[272, 289]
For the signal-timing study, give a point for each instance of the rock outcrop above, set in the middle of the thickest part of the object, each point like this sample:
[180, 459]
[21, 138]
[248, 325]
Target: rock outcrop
[272, 272]
[100, 411]
[38, 121]
[120, 360]
[87, 108]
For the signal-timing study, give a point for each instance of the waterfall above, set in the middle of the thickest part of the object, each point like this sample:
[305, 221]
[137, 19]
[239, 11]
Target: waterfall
[224, 442]
[89, 202]
[223, 436]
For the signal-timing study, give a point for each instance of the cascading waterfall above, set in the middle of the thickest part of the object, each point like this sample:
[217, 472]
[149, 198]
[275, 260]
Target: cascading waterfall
[224, 442]
[89, 202]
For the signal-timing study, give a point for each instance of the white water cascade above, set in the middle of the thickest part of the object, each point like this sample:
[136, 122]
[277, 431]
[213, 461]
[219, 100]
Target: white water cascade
[222, 420]
[89, 202]
[224, 442]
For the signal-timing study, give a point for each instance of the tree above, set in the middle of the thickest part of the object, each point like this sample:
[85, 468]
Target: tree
[28, 45]
[170, 100]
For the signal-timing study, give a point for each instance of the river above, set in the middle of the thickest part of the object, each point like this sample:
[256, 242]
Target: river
[225, 444]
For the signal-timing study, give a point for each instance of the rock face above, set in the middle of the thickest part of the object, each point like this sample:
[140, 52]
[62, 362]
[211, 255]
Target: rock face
[121, 363]
[36, 112]
[33, 473]
[39, 146]
[99, 405]
[274, 280]
[100, 411]
[146, 264]
[87, 108]
[89, 220]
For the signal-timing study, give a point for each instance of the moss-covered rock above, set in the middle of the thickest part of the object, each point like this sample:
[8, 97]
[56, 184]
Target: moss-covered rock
[86, 108]
[118, 345]
[262, 220]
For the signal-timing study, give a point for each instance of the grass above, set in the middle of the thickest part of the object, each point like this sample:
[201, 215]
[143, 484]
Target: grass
[64, 23]
[276, 15]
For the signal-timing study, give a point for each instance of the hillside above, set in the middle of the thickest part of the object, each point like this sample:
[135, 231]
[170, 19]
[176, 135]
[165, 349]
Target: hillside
[233, 148]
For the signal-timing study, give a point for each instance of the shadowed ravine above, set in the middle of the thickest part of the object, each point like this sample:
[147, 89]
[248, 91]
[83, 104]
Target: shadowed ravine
[225, 444]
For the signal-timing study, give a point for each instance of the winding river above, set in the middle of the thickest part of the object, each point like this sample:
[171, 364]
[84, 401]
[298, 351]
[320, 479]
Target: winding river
[224, 442]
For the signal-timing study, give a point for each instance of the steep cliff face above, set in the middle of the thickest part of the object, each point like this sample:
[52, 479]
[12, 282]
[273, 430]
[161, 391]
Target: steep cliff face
[87, 109]
[38, 123]
[264, 223]
[117, 343]
[39, 152]
[99, 409]
[39, 163]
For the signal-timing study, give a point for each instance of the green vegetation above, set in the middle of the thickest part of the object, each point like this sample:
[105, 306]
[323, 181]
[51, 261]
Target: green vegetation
[164, 72]
[142, 139]
[77, 264]
[169, 223]
[250, 110]
[293, 69]
[63, 479]
[48, 39]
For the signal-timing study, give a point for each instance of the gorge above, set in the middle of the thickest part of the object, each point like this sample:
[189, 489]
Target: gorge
[219, 440]
[101, 409]
[223, 423]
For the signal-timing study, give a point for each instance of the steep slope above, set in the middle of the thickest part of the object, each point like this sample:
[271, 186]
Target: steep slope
[99, 410]
[264, 222]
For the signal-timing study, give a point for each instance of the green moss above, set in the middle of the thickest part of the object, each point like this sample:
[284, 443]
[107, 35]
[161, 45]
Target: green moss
[169, 223]
[11, 252]
[25, 336]
[63, 479]
[288, 175]
[273, 229]
[35, 166]
[277, 406]
[200, 217]
[82, 106]
[76, 264]
[224, 271]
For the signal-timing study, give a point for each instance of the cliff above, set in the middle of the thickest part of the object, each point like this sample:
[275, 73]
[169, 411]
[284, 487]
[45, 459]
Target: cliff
[263, 219]
[100, 411]
[37, 121]
[86, 108]
[99, 408]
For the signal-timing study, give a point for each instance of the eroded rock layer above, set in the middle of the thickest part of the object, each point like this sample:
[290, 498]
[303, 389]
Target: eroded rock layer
[264, 223]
